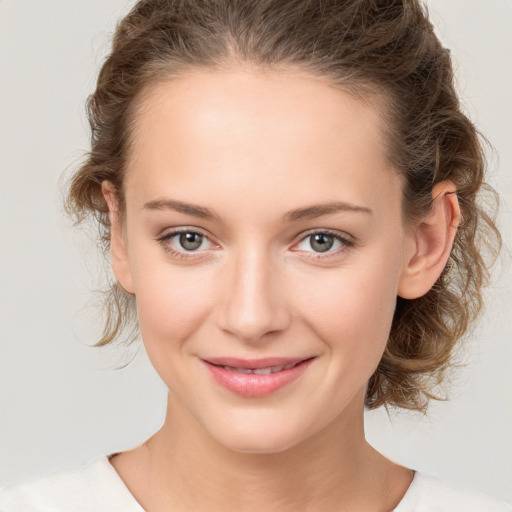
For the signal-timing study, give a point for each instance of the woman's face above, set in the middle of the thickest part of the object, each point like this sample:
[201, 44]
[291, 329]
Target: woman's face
[263, 220]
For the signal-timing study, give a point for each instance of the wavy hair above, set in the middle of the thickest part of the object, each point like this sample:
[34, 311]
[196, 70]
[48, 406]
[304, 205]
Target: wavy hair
[384, 47]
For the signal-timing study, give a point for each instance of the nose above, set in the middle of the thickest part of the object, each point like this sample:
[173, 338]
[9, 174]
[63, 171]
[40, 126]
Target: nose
[254, 304]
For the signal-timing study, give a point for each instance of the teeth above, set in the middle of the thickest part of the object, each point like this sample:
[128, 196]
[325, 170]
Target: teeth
[261, 371]
[238, 370]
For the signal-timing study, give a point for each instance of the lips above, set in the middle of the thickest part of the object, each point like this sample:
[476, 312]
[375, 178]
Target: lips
[267, 362]
[256, 377]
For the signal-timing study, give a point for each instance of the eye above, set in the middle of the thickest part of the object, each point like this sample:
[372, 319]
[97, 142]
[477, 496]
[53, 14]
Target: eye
[190, 241]
[183, 242]
[323, 242]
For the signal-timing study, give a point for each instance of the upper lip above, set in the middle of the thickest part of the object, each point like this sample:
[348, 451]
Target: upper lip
[266, 362]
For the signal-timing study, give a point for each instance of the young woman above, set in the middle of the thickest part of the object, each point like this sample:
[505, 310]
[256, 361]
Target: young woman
[288, 190]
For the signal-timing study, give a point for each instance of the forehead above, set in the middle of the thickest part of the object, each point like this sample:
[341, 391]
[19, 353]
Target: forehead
[264, 131]
[292, 102]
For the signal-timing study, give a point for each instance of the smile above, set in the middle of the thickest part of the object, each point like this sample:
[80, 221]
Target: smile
[261, 371]
[252, 378]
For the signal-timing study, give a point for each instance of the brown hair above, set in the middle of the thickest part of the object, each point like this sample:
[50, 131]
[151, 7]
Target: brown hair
[364, 46]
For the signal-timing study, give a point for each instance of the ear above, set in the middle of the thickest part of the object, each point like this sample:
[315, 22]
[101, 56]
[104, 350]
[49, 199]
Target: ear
[118, 248]
[431, 243]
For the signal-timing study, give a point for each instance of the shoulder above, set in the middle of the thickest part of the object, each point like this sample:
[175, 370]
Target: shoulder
[92, 487]
[430, 494]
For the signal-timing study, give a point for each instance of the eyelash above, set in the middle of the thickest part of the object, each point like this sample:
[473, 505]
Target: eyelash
[345, 243]
[184, 255]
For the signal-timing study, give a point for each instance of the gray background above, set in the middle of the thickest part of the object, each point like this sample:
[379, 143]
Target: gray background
[60, 402]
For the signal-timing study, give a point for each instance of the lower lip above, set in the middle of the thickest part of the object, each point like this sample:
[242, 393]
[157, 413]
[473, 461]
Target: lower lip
[252, 384]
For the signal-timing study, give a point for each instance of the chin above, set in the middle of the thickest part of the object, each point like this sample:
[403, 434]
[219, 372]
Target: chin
[262, 439]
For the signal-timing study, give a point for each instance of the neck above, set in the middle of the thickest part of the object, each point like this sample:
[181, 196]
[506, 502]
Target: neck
[335, 469]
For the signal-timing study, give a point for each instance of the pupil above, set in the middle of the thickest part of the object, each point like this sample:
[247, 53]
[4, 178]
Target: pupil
[322, 242]
[190, 241]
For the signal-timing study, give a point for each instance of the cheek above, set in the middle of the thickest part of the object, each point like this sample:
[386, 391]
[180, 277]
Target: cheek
[172, 302]
[351, 310]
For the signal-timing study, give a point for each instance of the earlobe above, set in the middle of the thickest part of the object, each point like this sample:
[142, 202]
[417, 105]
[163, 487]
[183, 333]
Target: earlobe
[431, 243]
[118, 248]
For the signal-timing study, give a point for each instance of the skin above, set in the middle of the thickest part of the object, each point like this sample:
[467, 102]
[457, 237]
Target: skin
[252, 146]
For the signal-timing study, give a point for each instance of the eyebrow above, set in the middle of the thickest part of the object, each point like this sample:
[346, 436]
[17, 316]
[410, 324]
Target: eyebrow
[181, 207]
[309, 212]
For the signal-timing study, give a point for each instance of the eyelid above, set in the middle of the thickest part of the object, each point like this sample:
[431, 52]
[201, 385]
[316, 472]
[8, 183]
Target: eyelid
[328, 231]
[333, 232]
[345, 239]
[168, 234]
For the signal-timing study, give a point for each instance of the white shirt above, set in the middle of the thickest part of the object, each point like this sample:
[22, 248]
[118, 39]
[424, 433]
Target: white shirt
[97, 487]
